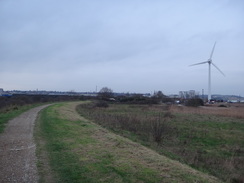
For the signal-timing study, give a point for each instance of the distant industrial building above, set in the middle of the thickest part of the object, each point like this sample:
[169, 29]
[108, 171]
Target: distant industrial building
[188, 94]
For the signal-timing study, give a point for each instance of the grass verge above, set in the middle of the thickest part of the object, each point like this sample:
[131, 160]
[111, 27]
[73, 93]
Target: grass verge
[81, 151]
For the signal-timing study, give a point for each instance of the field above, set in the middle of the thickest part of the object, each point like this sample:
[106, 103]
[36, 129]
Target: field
[210, 139]
[71, 148]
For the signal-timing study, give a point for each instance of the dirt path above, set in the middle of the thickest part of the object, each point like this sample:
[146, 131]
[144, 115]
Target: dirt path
[17, 149]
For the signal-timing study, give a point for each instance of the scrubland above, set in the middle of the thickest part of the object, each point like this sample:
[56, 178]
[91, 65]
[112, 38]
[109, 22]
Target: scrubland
[209, 138]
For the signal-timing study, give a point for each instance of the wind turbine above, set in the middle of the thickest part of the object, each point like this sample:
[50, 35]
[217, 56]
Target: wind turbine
[210, 62]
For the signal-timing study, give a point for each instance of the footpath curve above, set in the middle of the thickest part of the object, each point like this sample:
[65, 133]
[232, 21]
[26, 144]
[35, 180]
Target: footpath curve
[17, 149]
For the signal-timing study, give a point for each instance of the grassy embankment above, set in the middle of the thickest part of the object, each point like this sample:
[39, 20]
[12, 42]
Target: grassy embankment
[9, 113]
[81, 151]
[209, 139]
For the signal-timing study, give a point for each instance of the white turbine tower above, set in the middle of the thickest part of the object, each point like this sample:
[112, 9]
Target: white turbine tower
[210, 62]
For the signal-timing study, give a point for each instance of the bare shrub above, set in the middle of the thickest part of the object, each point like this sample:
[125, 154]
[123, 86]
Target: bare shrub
[195, 102]
[221, 105]
[158, 127]
[105, 93]
[102, 104]
[168, 115]
[157, 131]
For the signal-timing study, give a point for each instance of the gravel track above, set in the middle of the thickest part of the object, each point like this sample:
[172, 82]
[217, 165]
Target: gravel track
[17, 149]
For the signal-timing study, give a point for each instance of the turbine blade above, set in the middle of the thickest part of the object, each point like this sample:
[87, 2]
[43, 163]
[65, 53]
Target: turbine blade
[199, 63]
[212, 51]
[218, 69]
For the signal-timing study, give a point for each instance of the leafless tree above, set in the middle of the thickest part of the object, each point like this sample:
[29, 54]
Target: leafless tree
[105, 93]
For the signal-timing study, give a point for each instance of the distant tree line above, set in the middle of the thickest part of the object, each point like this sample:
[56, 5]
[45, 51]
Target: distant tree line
[20, 100]
[106, 94]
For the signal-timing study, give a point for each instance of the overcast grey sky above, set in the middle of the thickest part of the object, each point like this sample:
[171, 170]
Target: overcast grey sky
[126, 45]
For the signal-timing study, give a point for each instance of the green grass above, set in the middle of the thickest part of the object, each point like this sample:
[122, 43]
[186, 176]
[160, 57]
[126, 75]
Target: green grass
[64, 136]
[6, 115]
[81, 151]
[55, 131]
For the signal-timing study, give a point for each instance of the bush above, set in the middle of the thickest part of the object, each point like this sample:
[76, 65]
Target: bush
[168, 115]
[195, 102]
[137, 99]
[222, 105]
[157, 130]
[102, 104]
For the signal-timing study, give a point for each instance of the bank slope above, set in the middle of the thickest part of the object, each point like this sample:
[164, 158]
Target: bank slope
[81, 151]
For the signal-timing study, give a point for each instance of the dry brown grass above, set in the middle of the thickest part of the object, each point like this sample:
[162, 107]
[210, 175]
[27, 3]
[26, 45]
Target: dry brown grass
[67, 111]
[136, 155]
[232, 110]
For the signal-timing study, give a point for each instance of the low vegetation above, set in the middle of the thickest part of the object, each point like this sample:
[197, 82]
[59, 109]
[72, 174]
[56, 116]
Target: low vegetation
[11, 112]
[15, 101]
[82, 151]
[204, 138]
[13, 106]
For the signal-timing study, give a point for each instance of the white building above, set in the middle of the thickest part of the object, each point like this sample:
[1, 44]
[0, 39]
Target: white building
[1, 91]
